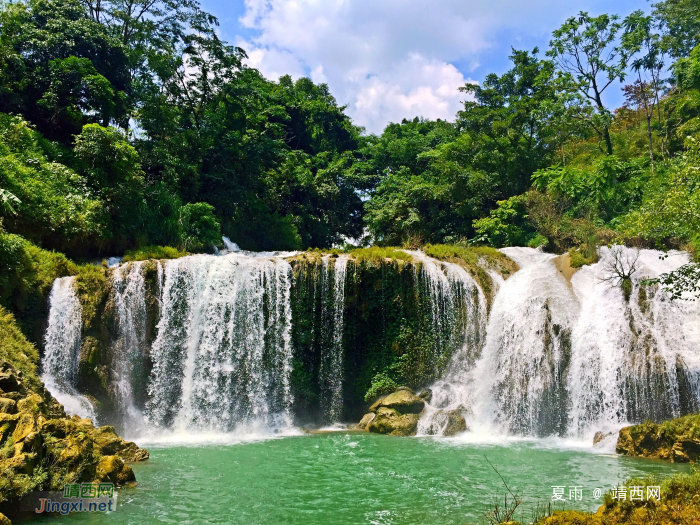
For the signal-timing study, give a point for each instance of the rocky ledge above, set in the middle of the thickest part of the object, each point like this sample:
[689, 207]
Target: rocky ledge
[41, 448]
[677, 440]
[396, 414]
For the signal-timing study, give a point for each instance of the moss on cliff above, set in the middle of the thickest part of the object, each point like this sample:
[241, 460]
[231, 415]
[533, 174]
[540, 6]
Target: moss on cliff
[476, 260]
[41, 448]
[677, 440]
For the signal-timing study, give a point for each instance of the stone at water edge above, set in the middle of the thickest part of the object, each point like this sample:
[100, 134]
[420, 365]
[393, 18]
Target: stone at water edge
[366, 420]
[403, 401]
[456, 424]
[426, 395]
[600, 437]
[675, 442]
[390, 421]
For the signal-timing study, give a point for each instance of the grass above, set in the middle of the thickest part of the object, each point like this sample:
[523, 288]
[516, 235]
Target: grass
[470, 258]
[153, 252]
[379, 253]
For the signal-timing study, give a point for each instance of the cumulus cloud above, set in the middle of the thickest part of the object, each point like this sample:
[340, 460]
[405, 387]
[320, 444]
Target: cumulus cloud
[385, 59]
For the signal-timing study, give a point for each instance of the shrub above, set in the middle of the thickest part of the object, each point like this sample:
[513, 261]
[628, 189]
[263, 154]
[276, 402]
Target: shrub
[199, 228]
[153, 252]
[378, 254]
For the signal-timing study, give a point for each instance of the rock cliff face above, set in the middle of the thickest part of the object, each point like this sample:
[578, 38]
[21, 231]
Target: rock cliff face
[43, 449]
[677, 440]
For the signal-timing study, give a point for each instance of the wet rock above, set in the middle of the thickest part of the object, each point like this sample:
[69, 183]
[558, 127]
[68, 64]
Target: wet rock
[456, 423]
[109, 443]
[403, 401]
[600, 437]
[675, 441]
[366, 420]
[4, 520]
[426, 395]
[390, 421]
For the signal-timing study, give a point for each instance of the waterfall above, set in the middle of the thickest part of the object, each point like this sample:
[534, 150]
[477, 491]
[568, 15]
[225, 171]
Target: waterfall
[62, 348]
[222, 353]
[204, 343]
[129, 294]
[570, 358]
[331, 368]
[459, 313]
[636, 359]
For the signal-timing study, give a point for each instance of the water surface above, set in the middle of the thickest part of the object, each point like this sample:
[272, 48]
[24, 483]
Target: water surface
[359, 479]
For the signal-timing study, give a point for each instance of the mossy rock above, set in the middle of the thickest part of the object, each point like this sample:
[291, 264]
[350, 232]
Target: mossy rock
[390, 421]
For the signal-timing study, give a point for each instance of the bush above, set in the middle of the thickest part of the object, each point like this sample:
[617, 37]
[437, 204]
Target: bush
[153, 252]
[378, 254]
[199, 228]
[381, 384]
[17, 350]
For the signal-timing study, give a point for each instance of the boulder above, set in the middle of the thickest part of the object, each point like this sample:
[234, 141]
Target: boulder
[109, 443]
[402, 401]
[4, 520]
[456, 423]
[109, 468]
[366, 420]
[676, 442]
[390, 421]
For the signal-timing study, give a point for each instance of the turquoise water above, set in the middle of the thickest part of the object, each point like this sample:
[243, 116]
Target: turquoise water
[358, 479]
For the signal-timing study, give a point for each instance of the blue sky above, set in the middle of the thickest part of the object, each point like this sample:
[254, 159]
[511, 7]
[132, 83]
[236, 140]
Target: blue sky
[393, 59]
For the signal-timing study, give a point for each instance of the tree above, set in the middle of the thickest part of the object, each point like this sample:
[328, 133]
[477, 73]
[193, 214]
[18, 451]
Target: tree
[64, 70]
[679, 21]
[508, 120]
[639, 39]
[584, 48]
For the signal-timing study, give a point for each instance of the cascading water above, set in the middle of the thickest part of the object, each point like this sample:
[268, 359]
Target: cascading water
[553, 356]
[331, 368]
[129, 293]
[62, 348]
[570, 358]
[456, 301]
[222, 354]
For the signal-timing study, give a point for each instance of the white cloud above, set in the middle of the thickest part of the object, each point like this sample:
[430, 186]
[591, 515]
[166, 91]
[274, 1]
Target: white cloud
[386, 59]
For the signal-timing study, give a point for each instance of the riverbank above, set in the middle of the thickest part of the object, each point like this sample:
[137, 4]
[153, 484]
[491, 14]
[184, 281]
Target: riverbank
[41, 447]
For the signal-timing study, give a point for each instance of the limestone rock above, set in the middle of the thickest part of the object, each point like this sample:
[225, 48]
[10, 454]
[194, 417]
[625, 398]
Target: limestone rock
[426, 395]
[109, 468]
[109, 443]
[7, 406]
[403, 401]
[390, 421]
[366, 420]
[456, 423]
[676, 442]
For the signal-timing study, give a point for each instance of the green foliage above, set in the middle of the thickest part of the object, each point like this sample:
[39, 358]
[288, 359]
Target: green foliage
[17, 350]
[381, 385]
[153, 252]
[199, 228]
[379, 254]
[583, 256]
[506, 225]
[53, 205]
[92, 288]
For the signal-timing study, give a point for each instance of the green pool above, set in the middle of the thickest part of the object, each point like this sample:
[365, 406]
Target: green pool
[358, 479]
